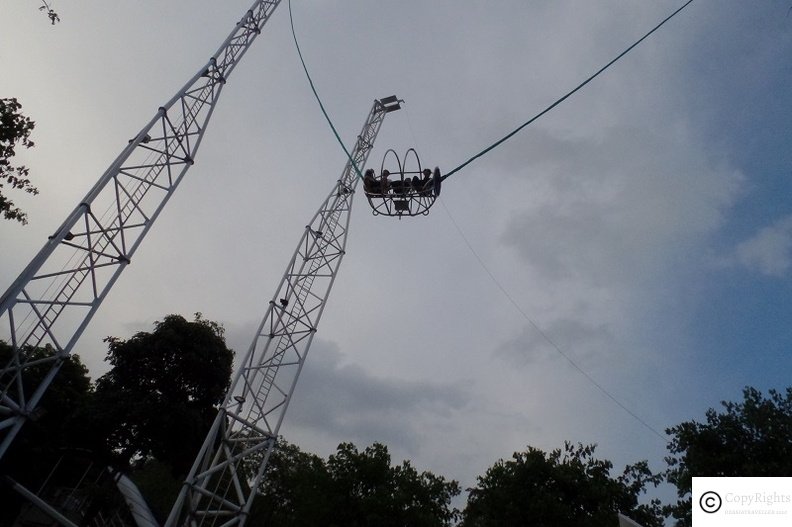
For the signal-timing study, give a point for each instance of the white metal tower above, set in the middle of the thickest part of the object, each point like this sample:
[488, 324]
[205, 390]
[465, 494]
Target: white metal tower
[221, 486]
[55, 297]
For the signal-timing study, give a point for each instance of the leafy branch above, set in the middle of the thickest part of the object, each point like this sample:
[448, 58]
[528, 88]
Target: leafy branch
[15, 130]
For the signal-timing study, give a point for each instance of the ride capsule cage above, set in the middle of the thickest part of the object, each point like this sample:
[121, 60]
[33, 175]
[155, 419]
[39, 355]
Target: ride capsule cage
[402, 187]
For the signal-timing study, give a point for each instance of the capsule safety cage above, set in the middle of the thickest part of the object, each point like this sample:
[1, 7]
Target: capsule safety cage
[402, 187]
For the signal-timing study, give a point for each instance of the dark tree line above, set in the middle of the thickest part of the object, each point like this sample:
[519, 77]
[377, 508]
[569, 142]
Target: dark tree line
[147, 416]
[352, 488]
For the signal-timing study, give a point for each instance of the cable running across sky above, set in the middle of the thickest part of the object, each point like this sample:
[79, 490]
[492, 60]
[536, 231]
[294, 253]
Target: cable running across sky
[562, 99]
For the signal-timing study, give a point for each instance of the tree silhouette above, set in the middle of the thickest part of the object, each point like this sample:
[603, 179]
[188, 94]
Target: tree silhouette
[161, 395]
[15, 131]
[351, 489]
[563, 488]
[751, 438]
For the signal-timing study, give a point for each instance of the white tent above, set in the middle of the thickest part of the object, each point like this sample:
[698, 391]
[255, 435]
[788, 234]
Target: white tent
[624, 521]
[137, 504]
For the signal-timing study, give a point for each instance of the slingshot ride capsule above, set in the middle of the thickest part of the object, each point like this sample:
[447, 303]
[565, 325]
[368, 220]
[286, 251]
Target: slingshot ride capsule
[402, 187]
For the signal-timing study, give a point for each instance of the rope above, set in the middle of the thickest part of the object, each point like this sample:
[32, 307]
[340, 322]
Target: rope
[562, 99]
[313, 88]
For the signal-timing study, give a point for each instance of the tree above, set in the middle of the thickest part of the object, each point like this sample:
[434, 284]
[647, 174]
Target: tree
[564, 488]
[15, 130]
[161, 395]
[56, 426]
[295, 490]
[749, 439]
[57, 420]
[378, 494]
[156, 403]
[351, 489]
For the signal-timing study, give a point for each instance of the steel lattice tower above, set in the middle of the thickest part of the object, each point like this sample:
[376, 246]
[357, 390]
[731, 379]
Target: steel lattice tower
[221, 486]
[55, 297]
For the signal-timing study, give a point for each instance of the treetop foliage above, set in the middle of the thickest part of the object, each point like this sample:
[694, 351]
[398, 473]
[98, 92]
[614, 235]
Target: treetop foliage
[352, 488]
[179, 359]
[751, 438]
[565, 487]
[161, 395]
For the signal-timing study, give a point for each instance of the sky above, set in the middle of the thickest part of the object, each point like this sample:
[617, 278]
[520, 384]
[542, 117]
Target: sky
[641, 230]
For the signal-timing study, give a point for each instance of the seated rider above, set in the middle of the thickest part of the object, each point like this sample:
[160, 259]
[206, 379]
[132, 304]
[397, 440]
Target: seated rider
[398, 186]
[370, 184]
[426, 182]
[417, 185]
[384, 182]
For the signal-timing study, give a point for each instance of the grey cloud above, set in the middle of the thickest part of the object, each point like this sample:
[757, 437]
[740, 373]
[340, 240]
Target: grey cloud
[769, 251]
[616, 210]
[578, 340]
[348, 402]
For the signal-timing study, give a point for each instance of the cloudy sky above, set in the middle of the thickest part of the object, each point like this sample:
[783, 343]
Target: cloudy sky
[643, 228]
